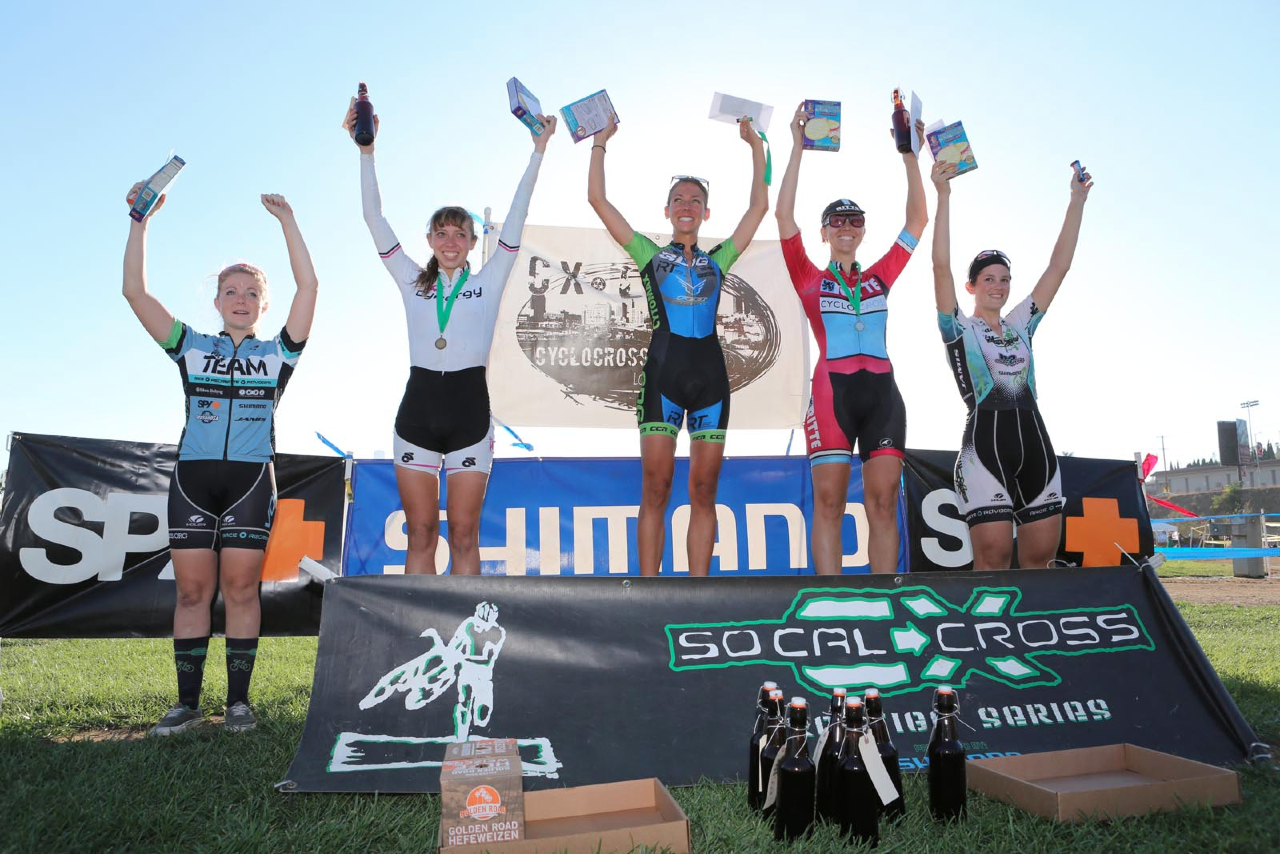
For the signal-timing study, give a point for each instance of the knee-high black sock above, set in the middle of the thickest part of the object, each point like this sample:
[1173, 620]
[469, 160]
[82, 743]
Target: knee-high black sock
[188, 656]
[241, 653]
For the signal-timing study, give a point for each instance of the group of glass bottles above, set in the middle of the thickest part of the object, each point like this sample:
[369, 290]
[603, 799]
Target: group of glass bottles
[854, 778]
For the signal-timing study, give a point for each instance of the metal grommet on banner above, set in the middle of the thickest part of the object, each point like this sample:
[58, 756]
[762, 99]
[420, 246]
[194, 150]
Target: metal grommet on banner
[626, 584]
[897, 578]
[286, 786]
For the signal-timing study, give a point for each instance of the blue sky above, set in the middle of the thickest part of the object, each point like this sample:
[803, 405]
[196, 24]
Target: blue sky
[1164, 325]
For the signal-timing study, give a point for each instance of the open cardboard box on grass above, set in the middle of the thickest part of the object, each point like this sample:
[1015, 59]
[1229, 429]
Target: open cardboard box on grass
[594, 820]
[1102, 782]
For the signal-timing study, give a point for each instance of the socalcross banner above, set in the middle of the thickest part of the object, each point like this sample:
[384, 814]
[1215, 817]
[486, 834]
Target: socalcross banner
[604, 679]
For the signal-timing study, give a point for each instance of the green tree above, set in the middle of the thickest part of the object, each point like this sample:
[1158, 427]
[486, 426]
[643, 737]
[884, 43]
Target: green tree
[1230, 500]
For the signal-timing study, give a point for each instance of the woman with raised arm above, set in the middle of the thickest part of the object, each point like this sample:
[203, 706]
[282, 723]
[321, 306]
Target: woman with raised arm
[222, 495]
[854, 396]
[685, 368]
[444, 416]
[1006, 473]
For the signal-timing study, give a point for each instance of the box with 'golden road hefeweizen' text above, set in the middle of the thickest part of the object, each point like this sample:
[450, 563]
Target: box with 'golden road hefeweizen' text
[481, 793]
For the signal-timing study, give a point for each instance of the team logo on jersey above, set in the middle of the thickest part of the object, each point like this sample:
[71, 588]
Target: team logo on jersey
[469, 462]
[253, 392]
[228, 520]
[195, 519]
[406, 457]
[206, 417]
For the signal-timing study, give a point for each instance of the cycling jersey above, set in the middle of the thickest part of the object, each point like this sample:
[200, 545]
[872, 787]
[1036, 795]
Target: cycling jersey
[682, 297]
[684, 369]
[231, 392]
[849, 402]
[831, 315]
[993, 369]
[469, 330]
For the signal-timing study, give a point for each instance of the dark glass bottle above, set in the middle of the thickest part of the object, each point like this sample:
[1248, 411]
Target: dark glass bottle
[776, 736]
[857, 804]
[364, 116]
[901, 123]
[897, 808]
[793, 816]
[829, 756]
[755, 794]
[946, 754]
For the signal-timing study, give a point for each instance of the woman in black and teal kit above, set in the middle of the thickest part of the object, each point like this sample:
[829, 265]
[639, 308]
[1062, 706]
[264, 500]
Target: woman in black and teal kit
[1006, 473]
[685, 369]
[222, 494]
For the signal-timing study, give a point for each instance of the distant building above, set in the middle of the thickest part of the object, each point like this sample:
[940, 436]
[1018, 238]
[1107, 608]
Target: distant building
[1211, 478]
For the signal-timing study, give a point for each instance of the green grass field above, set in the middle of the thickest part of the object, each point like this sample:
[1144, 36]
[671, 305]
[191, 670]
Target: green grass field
[74, 777]
[1195, 569]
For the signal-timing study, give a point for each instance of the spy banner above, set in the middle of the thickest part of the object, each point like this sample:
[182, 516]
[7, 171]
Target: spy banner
[84, 540]
[1105, 520]
[612, 679]
[578, 517]
[573, 333]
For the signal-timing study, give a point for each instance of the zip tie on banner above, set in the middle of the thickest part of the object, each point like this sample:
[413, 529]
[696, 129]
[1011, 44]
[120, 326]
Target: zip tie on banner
[518, 443]
[768, 159]
[331, 446]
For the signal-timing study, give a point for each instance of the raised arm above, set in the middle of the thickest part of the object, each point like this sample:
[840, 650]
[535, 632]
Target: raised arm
[155, 318]
[944, 284]
[514, 223]
[617, 225]
[1065, 249]
[759, 204]
[786, 211]
[917, 207]
[303, 308]
[402, 268]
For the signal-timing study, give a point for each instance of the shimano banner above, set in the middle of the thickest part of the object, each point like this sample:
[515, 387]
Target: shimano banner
[1105, 521]
[612, 679]
[578, 517]
[84, 540]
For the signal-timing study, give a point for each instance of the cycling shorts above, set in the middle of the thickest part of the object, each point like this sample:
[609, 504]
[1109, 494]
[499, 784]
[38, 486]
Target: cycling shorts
[444, 418]
[1007, 469]
[861, 407]
[221, 504]
[684, 375]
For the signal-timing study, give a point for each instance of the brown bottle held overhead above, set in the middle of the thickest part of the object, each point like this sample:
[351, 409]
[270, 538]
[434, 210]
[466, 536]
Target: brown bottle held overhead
[364, 116]
[901, 123]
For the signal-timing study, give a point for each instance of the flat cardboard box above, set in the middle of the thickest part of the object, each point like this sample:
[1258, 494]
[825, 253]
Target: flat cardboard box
[611, 817]
[1102, 782]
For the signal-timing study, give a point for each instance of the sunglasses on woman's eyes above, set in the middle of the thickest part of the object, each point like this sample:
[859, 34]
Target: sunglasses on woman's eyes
[856, 221]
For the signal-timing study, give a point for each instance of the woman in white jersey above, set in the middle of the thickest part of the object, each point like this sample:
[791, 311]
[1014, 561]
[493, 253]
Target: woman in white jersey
[1006, 472]
[444, 416]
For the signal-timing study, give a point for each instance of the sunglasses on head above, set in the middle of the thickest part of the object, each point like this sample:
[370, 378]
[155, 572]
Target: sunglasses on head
[854, 220]
[993, 253]
[701, 182]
